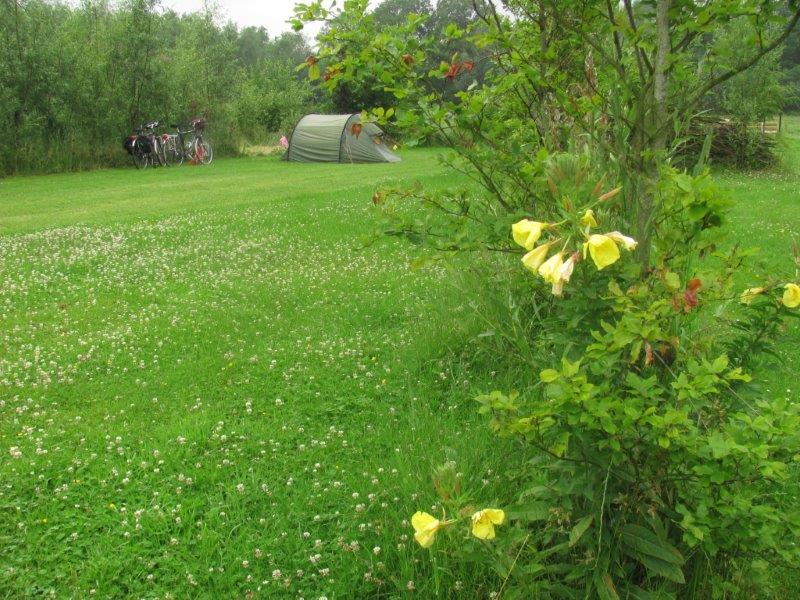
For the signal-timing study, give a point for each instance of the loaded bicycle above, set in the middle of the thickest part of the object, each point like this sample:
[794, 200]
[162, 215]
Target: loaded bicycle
[148, 148]
[145, 146]
[194, 148]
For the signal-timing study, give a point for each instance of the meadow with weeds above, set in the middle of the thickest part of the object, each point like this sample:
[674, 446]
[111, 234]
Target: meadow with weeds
[209, 388]
[228, 397]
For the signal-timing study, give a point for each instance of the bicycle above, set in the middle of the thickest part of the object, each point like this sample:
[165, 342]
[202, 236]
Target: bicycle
[158, 144]
[201, 151]
[146, 148]
[178, 148]
[175, 147]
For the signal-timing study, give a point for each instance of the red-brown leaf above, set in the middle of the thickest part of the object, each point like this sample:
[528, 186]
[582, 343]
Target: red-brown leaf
[690, 298]
[453, 71]
[648, 354]
[355, 129]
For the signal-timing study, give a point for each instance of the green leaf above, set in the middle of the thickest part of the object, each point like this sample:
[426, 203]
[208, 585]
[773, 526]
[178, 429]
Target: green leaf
[570, 368]
[634, 592]
[719, 365]
[645, 542]
[684, 182]
[719, 445]
[606, 588]
[549, 375]
[579, 529]
[313, 72]
[534, 511]
[673, 280]
[662, 568]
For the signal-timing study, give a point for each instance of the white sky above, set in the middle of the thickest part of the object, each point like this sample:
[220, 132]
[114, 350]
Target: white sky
[271, 14]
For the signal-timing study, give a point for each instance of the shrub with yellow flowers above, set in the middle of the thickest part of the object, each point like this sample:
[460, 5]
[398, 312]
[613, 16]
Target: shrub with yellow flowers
[652, 453]
[657, 452]
[482, 522]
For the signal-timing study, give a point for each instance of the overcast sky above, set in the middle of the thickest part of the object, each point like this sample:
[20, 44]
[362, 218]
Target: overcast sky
[271, 14]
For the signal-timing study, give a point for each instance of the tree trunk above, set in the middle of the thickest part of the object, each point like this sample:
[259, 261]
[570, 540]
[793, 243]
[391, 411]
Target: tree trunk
[659, 129]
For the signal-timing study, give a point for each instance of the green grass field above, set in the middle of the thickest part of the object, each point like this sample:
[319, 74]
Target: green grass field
[766, 216]
[209, 389]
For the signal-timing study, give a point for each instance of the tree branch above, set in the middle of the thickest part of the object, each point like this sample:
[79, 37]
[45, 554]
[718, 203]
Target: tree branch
[714, 82]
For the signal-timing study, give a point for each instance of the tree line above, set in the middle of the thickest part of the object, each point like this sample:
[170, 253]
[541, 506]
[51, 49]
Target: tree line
[74, 80]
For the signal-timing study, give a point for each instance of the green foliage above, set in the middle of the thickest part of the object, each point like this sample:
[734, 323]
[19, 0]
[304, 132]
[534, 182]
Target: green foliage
[731, 144]
[270, 99]
[656, 439]
[76, 80]
[656, 467]
[790, 61]
[559, 77]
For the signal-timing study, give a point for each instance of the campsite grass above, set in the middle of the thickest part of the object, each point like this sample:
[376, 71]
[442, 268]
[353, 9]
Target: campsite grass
[209, 389]
[766, 217]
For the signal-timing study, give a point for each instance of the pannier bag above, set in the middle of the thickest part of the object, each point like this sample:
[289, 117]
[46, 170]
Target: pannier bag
[127, 144]
[142, 144]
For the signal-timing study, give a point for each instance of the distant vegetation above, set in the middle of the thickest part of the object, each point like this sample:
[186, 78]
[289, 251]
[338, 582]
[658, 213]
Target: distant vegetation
[75, 80]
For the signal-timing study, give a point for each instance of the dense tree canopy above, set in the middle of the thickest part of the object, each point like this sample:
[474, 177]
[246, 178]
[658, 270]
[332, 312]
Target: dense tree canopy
[96, 69]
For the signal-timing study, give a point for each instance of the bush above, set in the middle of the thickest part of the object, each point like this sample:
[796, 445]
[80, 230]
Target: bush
[734, 145]
[270, 100]
[657, 468]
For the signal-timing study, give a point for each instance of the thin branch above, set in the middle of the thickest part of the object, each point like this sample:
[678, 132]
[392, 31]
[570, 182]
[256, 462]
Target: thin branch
[617, 42]
[641, 57]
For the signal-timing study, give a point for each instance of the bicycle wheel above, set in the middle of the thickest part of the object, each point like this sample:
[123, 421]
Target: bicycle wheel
[170, 155]
[203, 152]
[158, 152]
[139, 158]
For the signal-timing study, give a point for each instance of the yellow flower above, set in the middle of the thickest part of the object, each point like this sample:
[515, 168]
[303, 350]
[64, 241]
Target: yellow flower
[425, 528]
[603, 250]
[791, 295]
[550, 270]
[526, 233]
[564, 273]
[628, 242]
[569, 266]
[483, 522]
[534, 259]
[750, 294]
[588, 219]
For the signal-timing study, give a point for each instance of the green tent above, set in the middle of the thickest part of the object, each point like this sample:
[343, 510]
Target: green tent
[332, 138]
